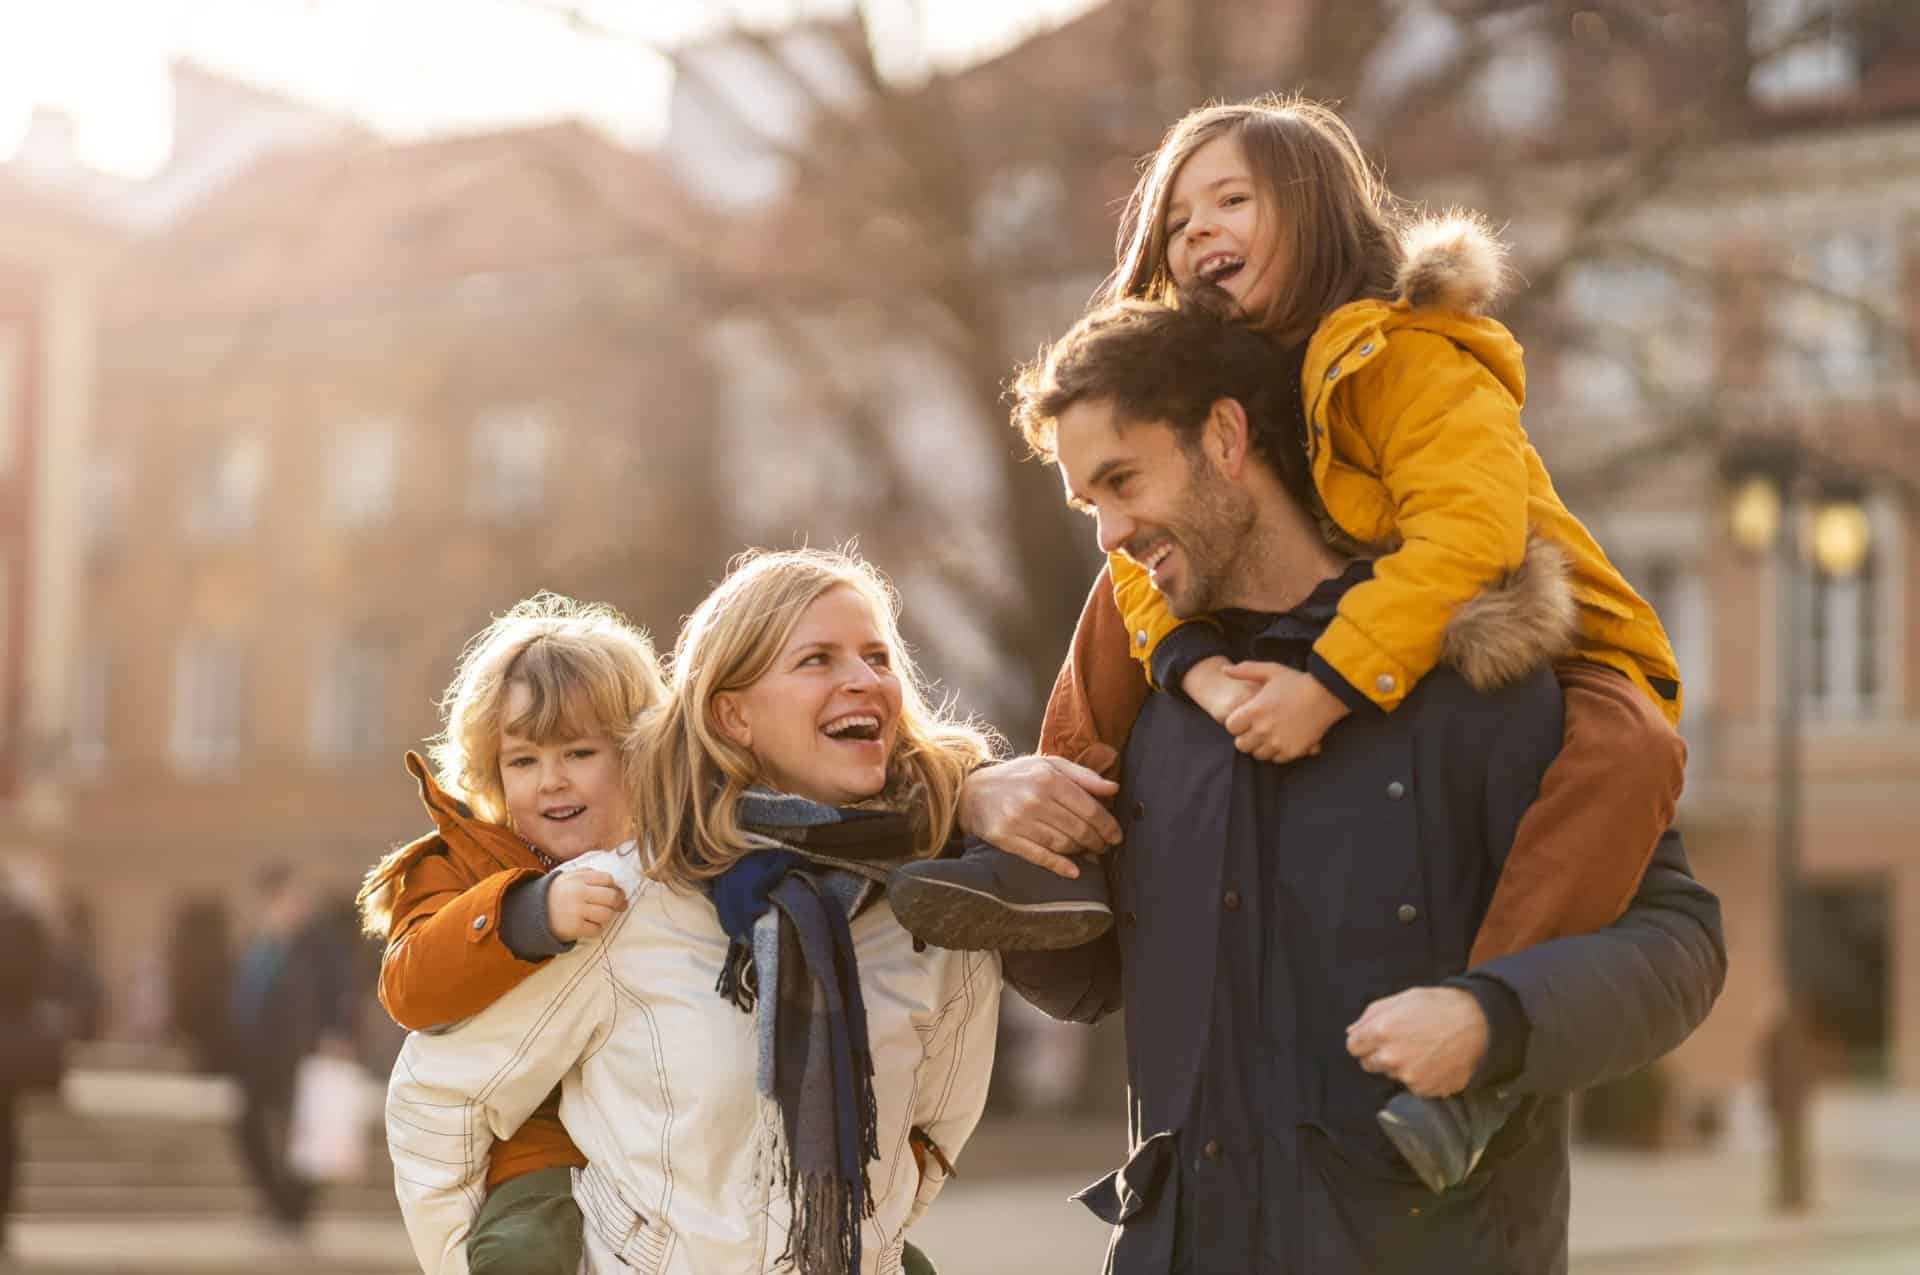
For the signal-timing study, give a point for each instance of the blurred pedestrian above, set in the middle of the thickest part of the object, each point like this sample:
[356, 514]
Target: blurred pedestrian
[32, 1043]
[199, 976]
[291, 997]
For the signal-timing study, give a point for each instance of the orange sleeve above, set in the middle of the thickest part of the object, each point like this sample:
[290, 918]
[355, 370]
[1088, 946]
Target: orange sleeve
[1099, 690]
[444, 959]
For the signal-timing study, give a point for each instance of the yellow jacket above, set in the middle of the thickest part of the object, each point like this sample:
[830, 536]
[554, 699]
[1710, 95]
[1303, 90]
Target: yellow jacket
[1416, 447]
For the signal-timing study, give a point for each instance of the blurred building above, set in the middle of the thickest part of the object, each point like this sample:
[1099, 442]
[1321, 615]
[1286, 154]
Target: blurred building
[52, 257]
[353, 403]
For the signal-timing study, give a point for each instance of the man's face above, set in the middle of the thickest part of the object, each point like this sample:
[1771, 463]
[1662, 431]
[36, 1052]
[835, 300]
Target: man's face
[1166, 506]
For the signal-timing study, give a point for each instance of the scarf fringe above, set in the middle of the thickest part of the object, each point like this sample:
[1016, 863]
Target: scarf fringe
[737, 985]
[825, 1236]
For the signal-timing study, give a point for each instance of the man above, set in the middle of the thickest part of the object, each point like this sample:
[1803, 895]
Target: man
[1291, 939]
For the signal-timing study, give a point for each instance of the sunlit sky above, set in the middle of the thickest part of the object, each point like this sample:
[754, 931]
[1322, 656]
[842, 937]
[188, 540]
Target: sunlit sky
[414, 68]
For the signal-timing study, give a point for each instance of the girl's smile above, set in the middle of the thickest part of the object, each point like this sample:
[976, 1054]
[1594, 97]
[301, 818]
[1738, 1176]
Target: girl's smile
[1217, 231]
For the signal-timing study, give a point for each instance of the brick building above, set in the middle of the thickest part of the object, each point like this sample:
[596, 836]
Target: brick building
[354, 403]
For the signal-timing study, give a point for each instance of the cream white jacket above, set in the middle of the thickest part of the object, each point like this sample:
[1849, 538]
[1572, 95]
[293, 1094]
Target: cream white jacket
[657, 1089]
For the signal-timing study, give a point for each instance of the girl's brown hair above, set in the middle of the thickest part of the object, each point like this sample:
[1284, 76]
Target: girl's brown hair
[688, 776]
[1316, 189]
[589, 672]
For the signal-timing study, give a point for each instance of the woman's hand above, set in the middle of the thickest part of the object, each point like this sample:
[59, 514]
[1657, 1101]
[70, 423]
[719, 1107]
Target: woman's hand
[1040, 808]
[581, 904]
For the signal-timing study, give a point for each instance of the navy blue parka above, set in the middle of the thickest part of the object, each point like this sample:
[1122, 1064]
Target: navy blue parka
[1261, 908]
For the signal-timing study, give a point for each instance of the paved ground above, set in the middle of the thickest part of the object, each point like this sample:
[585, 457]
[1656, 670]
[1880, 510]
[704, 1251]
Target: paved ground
[1007, 1214]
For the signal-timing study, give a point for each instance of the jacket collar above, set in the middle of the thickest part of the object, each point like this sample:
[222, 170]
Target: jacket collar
[458, 824]
[1274, 635]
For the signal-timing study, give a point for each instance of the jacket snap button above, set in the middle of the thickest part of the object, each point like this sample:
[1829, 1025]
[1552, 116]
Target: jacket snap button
[1409, 914]
[480, 922]
[1139, 810]
[1232, 900]
[1333, 371]
[1383, 683]
[1396, 790]
[1368, 349]
[1212, 1149]
[1129, 917]
[1140, 638]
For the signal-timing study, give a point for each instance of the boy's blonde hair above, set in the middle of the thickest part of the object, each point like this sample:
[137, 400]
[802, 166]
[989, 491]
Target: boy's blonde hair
[688, 776]
[589, 672]
[1315, 185]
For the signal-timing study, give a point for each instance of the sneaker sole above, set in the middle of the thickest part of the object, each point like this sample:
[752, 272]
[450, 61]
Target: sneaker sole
[966, 920]
[1414, 1150]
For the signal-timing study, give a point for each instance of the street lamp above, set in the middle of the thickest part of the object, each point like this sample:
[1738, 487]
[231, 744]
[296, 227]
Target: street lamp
[1765, 515]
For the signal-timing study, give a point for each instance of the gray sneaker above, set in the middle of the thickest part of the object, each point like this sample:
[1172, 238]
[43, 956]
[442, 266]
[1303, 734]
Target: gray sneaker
[987, 900]
[1444, 1138]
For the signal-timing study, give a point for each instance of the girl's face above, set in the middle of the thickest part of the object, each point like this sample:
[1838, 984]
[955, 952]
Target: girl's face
[824, 719]
[1216, 230]
[564, 796]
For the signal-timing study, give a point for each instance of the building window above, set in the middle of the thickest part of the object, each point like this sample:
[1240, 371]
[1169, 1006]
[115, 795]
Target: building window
[349, 700]
[1827, 340]
[92, 684]
[209, 703]
[509, 462]
[103, 495]
[13, 391]
[1636, 336]
[1519, 93]
[1802, 49]
[225, 496]
[1854, 626]
[361, 472]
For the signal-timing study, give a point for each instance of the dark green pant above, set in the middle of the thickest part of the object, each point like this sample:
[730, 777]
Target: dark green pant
[528, 1226]
[914, 1262]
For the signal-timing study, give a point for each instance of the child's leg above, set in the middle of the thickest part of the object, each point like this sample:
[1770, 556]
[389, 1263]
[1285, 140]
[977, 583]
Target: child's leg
[1100, 689]
[1576, 860]
[1583, 845]
[989, 900]
[528, 1226]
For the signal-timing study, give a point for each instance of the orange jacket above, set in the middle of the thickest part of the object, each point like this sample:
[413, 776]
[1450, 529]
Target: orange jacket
[444, 959]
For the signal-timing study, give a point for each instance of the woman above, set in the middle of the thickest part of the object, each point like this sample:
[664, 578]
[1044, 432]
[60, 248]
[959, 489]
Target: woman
[759, 1065]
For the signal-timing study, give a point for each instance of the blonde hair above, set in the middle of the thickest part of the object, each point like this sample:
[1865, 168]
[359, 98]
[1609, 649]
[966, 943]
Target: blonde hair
[589, 672]
[1314, 184]
[688, 776]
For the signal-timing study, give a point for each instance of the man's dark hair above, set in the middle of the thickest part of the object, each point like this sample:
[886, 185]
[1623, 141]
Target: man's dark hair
[1164, 364]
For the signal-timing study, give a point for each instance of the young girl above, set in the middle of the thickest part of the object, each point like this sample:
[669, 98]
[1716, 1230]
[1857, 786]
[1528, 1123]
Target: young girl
[538, 706]
[1411, 403]
[755, 1019]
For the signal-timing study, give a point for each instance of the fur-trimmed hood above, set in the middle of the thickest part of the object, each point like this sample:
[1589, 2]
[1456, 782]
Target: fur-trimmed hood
[1524, 619]
[1453, 261]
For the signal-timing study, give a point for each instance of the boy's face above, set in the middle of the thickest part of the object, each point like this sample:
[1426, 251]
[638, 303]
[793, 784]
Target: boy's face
[1162, 503]
[564, 796]
[1216, 229]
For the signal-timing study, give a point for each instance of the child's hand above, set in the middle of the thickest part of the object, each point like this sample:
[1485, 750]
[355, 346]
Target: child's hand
[580, 905]
[1287, 714]
[1208, 685]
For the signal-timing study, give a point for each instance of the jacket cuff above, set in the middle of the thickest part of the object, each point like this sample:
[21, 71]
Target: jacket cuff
[1180, 650]
[1507, 1029]
[523, 920]
[1328, 676]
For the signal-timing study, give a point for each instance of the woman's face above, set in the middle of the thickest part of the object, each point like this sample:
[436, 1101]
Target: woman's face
[563, 795]
[1216, 229]
[824, 719]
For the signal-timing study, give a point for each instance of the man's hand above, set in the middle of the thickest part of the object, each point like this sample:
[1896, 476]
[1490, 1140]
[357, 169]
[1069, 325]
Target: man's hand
[1430, 1039]
[580, 905]
[1040, 808]
[1287, 714]
[1209, 685]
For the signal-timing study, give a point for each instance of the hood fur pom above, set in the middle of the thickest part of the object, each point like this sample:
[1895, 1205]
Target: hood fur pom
[1524, 619]
[1453, 261]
